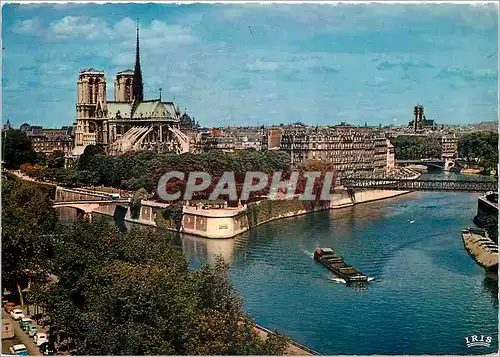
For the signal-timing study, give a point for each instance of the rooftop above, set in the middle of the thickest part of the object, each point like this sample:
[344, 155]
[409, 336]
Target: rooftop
[127, 71]
[90, 70]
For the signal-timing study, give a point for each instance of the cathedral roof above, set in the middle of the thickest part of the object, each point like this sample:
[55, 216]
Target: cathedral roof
[144, 109]
[127, 71]
[147, 108]
[90, 70]
[123, 108]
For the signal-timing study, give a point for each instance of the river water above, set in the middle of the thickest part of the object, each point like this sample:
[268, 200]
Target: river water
[428, 293]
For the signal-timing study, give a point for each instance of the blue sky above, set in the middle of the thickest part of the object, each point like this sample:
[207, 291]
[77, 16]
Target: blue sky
[249, 64]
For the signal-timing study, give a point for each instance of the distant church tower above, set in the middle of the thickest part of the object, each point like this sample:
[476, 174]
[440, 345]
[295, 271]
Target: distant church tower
[90, 106]
[418, 117]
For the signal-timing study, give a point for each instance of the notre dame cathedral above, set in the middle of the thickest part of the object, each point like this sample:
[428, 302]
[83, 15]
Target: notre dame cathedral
[129, 122]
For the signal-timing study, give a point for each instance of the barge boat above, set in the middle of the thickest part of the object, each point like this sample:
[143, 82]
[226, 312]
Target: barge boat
[481, 248]
[334, 263]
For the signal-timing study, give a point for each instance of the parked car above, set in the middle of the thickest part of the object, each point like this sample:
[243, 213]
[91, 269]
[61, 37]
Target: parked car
[47, 348]
[32, 330]
[40, 337]
[19, 350]
[17, 314]
[25, 323]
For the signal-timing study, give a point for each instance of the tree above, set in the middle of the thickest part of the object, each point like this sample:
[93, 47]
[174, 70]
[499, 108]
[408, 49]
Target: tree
[27, 221]
[67, 177]
[17, 149]
[55, 160]
[88, 178]
[87, 160]
[416, 147]
[482, 146]
[40, 159]
[132, 293]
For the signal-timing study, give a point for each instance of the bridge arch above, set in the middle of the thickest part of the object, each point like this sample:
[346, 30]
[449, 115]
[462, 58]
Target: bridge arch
[448, 164]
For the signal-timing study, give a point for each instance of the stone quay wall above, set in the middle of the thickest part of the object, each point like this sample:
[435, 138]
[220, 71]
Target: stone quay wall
[228, 223]
[222, 223]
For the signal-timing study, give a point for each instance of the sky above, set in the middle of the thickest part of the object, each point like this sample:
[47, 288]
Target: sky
[254, 64]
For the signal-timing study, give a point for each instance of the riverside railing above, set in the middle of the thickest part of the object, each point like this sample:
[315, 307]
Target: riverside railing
[420, 185]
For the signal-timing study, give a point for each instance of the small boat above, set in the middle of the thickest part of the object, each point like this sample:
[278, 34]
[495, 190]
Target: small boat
[334, 263]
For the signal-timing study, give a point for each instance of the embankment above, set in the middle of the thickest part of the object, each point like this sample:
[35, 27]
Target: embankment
[227, 223]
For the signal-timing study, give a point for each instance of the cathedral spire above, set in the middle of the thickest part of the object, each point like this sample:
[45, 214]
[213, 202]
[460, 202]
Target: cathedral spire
[137, 90]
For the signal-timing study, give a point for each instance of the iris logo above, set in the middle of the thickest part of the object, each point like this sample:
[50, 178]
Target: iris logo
[478, 341]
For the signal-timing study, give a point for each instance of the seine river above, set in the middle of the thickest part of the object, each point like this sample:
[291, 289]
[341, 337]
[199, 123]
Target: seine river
[428, 293]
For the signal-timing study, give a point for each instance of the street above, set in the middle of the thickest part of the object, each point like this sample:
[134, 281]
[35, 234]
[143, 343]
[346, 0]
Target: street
[19, 337]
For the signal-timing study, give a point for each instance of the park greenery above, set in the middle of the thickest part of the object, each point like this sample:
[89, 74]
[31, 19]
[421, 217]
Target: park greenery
[482, 146]
[478, 147]
[120, 293]
[408, 147]
[27, 221]
[17, 149]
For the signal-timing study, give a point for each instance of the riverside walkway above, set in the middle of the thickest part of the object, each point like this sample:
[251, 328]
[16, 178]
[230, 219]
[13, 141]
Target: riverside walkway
[293, 348]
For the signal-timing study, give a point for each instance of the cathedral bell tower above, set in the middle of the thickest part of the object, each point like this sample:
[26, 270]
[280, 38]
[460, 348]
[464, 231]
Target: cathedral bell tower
[91, 108]
[124, 86]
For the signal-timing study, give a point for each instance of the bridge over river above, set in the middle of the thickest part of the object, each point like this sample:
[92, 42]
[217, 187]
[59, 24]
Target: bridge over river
[86, 201]
[420, 185]
[444, 164]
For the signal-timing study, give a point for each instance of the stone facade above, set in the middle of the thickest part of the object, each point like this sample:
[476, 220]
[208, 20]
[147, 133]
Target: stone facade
[449, 147]
[351, 150]
[129, 122]
[49, 140]
[391, 156]
[210, 142]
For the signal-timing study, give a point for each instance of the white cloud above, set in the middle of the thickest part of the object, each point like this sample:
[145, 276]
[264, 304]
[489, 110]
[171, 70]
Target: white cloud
[31, 26]
[76, 26]
[155, 35]
[280, 54]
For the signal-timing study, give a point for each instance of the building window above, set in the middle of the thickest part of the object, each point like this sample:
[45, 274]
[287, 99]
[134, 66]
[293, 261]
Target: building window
[91, 90]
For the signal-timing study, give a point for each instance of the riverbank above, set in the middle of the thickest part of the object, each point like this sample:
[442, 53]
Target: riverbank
[229, 223]
[224, 223]
[292, 349]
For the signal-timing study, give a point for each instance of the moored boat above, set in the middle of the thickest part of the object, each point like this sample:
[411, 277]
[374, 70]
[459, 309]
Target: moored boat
[336, 264]
[481, 248]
